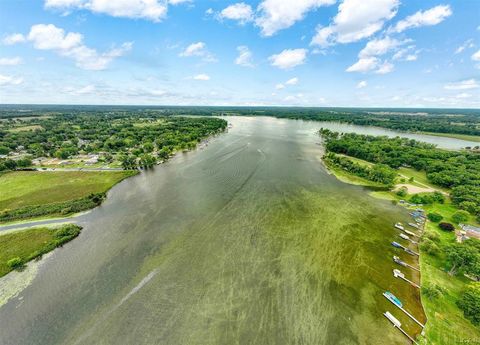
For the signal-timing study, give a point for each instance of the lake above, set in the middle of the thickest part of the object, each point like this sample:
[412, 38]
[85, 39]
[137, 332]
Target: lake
[246, 241]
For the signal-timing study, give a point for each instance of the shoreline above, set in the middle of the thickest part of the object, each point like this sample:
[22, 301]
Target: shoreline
[54, 218]
[437, 312]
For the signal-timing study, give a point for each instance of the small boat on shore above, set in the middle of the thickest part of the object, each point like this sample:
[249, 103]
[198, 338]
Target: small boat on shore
[399, 226]
[391, 297]
[405, 237]
[397, 245]
[411, 252]
[397, 273]
[409, 233]
[413, 225]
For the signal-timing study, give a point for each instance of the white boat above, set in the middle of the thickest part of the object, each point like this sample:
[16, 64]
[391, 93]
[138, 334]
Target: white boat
[405, 237]
[409, 233]
[392, 319]
[399, 226]
[397, 273]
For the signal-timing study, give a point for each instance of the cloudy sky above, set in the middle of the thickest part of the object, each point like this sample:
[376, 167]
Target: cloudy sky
[386, 53]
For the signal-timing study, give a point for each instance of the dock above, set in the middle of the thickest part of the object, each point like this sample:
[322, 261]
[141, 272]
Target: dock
[406, 312]
[398, 325]
[408, 250]
[398, 274]
[404, 264]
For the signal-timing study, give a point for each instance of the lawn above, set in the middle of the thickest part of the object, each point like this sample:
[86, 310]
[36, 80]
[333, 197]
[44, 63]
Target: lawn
[29, 188]
[419, 178]
[32, 243]
[446, 324]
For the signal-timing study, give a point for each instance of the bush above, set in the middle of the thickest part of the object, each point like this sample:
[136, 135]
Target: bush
[469, 302]
[429, 247]
[432, 236]
[15, 263]
[432, 291]
[402, 192]
[460, 216]
[446, 226]
[434, 217]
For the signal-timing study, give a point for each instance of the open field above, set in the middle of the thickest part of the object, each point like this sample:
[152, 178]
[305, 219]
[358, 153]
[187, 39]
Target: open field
[32, 243]
[475, 138]
[29, 188]
[25, 128]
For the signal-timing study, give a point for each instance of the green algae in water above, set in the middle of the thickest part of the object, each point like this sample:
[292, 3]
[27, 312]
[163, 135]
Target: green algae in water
[247, 242]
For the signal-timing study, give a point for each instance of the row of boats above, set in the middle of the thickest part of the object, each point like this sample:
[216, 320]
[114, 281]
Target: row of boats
[409, 236]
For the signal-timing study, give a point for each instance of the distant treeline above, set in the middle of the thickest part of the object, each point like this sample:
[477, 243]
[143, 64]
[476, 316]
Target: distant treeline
[450, 169]
[454, 121]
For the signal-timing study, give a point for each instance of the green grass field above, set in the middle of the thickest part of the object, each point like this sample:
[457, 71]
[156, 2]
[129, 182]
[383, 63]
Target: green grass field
[30, 244]
[29, 188]
[456, 136]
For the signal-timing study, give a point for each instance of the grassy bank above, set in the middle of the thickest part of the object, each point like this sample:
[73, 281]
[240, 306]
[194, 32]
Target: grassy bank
[28, 194]
[475, 138]
[19, 247]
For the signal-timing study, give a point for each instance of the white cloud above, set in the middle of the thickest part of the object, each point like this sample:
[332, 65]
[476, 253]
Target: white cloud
[463, 95]
[368, 57]
[462, 85]
[293, 81]
[154, 10]
[430, 17]
[378, 47]
[85, 90]
[244, 57]
[467, 44]
[194, 49]
[276, 15]
[202, 77]
[13, 39]
[50, 37]
[10, 61]
[288, 58]
[364, 65]
[362, 84]
[385, 68]
[9, 80]
[240, 11]
[198, 49]
[476, 56]
[400, 54]
[355, 20]
[411, 57]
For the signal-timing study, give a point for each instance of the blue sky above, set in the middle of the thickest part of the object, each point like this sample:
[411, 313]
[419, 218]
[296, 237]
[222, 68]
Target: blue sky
[385, 53]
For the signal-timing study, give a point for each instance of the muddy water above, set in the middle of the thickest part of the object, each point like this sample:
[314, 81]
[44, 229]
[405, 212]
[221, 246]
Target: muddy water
[247, 241]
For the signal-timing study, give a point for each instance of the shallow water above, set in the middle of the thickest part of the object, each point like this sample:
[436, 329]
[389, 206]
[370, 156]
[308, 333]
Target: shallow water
[248, 241]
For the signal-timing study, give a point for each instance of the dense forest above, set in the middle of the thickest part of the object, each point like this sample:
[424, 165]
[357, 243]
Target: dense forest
[457, 170]
[136, 139]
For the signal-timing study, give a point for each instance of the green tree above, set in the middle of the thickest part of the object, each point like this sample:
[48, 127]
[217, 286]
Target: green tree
[434, 217]
[460, 216]
[469, 302]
